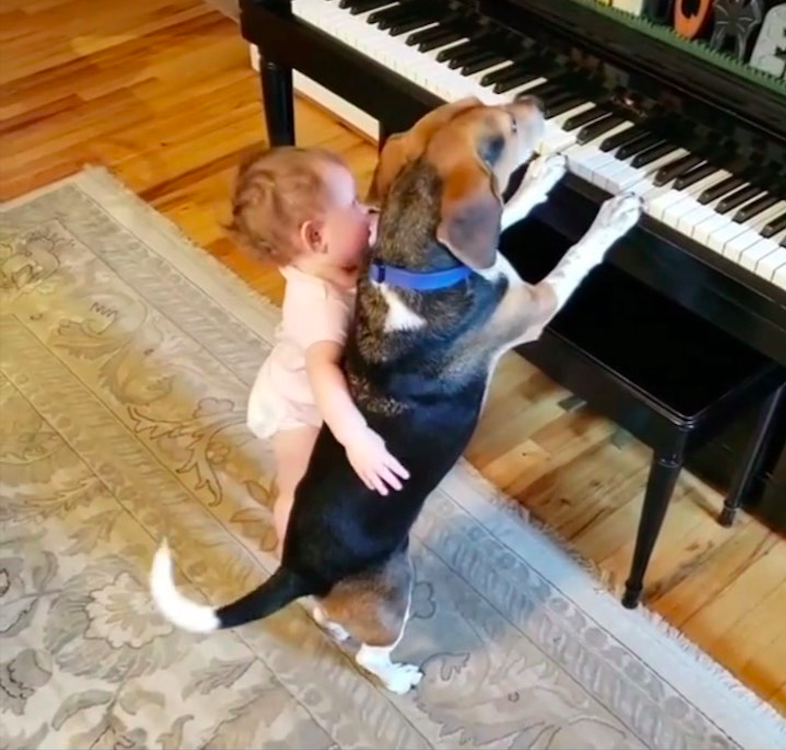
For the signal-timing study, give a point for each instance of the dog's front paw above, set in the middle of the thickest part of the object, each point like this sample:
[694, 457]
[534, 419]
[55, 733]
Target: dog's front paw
[546, 171]
[401, 678]
[617, 215]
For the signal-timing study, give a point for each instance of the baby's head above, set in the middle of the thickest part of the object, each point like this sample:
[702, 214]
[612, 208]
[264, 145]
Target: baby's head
[300, 206]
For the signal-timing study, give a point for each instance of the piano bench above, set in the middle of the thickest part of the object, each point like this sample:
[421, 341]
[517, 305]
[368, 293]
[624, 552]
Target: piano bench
[667, 377]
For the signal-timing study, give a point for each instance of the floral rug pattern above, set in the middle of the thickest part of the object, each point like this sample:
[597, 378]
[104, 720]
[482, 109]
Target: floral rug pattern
[125, 361]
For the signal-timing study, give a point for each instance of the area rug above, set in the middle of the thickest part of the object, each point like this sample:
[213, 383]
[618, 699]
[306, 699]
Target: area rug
[127, 355]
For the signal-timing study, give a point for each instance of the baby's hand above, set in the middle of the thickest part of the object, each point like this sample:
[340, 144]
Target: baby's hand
[373, 464]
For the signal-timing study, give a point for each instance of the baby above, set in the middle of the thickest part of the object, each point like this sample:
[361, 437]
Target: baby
[299, 209]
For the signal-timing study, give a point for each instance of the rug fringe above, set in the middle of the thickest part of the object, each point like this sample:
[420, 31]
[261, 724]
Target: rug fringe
[604, 586]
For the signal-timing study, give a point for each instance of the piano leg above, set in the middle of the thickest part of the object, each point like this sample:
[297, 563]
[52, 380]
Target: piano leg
[755, 454]
[277, 96]
[660, 486]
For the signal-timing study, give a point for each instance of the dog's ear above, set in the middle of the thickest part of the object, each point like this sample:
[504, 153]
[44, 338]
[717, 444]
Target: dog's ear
[471, 215]
[403, 148]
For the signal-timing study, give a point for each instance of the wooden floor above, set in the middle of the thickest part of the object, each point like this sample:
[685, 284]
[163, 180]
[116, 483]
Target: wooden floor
[161, 92]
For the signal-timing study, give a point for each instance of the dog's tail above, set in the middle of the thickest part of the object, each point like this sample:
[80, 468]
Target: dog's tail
[283, 587]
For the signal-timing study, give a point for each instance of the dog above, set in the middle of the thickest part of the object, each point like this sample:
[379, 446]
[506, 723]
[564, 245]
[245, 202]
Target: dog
[437, 308]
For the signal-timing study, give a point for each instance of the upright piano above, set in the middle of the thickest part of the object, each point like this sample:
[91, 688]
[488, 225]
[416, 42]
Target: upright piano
[682, 101]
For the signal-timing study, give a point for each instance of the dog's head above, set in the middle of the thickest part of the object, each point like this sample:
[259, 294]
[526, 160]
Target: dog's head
[475, 149]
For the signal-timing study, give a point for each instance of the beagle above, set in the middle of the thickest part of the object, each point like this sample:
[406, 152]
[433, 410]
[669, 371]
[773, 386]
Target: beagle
[435, 310]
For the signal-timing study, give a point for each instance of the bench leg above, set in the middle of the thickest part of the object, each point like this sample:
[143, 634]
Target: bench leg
[277, 96]
[755, 453]
[660, 486]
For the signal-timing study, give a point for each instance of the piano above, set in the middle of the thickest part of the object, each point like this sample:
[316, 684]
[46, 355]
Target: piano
[699, 132]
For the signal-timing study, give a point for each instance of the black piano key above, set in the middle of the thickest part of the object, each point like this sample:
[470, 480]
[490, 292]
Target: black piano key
[547, 88]
[457, 49]
[674, 169]
[692, 176]
[754, 208]
[719, 189]
[356, 7]
[442, 34]
[515, 81]
[501, 74]
[597, 129]
[641, 143]
[560, 106]
[584, 118]
[468, 57]
[622, 139]
[397, 29]
[449, 36]
[387, 16]
[653, 153]
[737, 198]
[550, 93]
[639, 146]
[397, 19]
[778, 224]
[482, 63]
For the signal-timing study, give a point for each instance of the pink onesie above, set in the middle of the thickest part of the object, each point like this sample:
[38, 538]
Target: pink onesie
[314, 310]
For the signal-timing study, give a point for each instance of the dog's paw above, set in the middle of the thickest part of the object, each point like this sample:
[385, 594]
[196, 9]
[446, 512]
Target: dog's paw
[546, 171]
[617, 215]
[401, 678]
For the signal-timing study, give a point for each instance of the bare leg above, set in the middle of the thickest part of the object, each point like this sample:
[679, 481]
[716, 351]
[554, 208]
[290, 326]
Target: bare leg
[292, 450]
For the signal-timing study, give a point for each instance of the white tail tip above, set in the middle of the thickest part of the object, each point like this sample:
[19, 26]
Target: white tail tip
[198, 618]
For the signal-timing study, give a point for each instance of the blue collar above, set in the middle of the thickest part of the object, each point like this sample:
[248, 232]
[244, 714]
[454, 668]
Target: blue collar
[418, 281]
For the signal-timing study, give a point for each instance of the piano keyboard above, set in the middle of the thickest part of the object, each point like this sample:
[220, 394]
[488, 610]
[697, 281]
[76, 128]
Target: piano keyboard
[447, 56]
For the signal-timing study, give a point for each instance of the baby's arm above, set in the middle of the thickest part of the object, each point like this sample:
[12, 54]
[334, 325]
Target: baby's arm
[365, 449]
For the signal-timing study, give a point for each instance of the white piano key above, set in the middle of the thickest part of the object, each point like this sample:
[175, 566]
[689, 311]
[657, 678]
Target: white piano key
[725, 234]
[751, 258]
[687, 201]
[761, 220]
[770, 264]
[587, 161]
[680, 209]
[779, 277]
[524, 87]
[625, 179]
[747, 235]
[715, 231]
[703, 231]
[740, 243]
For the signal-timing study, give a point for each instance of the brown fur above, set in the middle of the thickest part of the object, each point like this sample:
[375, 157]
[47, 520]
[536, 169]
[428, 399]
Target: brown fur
[373, 606]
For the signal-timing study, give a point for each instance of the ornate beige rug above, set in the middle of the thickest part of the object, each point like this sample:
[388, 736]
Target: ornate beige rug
[127, 355]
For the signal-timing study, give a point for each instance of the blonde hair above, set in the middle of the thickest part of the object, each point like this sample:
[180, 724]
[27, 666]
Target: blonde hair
[276, 191]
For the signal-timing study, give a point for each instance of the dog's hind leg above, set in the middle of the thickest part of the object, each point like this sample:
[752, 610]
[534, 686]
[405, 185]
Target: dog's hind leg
[397, 677]
[373, 608]
[333, 629]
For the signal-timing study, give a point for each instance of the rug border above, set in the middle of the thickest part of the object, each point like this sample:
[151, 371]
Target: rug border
[721, 697]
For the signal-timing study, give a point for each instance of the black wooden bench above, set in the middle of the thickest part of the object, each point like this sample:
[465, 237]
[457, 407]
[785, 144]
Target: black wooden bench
[663, 374]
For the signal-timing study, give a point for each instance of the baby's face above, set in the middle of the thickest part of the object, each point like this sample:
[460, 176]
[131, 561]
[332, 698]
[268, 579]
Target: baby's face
[349, 227]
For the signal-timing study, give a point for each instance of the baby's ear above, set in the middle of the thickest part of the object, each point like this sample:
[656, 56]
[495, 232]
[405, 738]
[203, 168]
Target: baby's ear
[312, 236]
